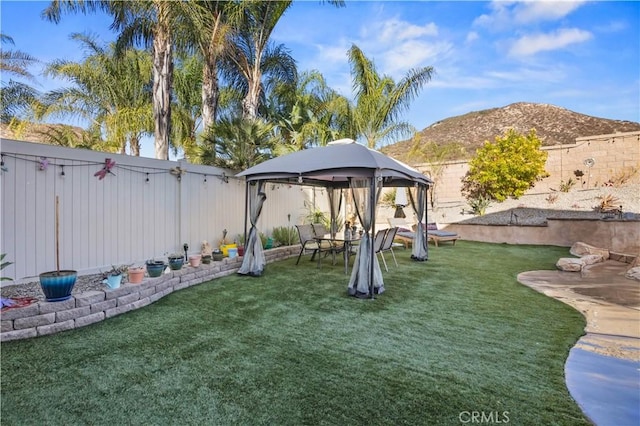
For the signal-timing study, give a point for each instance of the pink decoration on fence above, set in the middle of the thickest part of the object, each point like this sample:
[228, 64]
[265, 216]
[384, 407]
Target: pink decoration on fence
[108, 165]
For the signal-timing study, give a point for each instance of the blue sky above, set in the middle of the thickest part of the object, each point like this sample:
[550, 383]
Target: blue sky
[583, 56]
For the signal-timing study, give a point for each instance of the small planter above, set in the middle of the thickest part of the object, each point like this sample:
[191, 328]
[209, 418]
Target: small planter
[240, 250]
[206, 259]
[175, 263]
[217, 255]
[194, 260]
[155, 268]
[57, 286]
[136, 275]
[113, 281]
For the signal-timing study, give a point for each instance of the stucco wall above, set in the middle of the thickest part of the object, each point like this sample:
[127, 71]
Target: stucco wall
[611, 155]
[621, 236]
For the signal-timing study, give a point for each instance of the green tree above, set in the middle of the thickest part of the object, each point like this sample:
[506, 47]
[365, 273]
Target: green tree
[505, 168]
[152, 22]
[238, 143]
[16, 97]
[379, 101]
[112, 93]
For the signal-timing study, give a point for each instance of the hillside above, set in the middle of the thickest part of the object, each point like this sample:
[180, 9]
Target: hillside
[554, 126]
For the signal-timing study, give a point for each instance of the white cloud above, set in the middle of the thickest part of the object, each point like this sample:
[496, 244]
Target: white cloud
[531, 44]
[412, 54]
[536, 11]
[395, 30]
[472, 36]
[507, 14]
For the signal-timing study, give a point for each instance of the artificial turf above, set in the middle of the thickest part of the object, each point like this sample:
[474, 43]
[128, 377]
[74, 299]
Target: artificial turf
[451, 338]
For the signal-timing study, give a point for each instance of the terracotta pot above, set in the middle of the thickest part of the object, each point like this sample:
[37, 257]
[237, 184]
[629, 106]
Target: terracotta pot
[136, 275]
[194, 260]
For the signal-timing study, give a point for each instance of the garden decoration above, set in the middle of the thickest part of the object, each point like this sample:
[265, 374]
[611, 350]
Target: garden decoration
[106, 169]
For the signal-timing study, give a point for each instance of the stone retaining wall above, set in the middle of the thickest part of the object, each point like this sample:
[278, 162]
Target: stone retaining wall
[42, 318]
[622, 236]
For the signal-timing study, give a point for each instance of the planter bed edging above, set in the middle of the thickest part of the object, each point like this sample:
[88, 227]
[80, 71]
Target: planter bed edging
[43, 318]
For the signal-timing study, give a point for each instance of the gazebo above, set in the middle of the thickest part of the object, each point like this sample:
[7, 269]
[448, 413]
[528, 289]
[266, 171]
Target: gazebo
[341, 165]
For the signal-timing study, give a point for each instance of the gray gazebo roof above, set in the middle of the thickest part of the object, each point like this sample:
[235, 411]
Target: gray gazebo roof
[333, 165]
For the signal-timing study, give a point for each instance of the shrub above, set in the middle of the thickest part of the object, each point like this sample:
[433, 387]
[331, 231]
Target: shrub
[607, 203]
[479, 205]
[552, 198]
[566, 186]
[506, 168]
[285, 236]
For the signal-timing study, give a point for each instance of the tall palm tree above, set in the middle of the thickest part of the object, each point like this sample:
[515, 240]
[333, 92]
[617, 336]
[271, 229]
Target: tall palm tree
[112, 92]
[187, 103]
[211, 23]
[16, 97]
[379, 101]
[252, 56]
[149, 21]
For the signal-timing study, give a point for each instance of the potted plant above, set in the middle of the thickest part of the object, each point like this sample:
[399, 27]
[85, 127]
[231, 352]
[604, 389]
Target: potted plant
[176, 260]
[136, 274]
[155, 268]
[241, 244]
[57, 285]
[217, 254]
[113, 278]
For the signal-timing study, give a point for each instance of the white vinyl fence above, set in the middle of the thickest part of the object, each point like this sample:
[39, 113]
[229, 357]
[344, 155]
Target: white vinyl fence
[143, 209]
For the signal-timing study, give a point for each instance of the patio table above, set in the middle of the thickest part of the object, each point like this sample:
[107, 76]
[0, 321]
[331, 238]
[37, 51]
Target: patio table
[338, 243]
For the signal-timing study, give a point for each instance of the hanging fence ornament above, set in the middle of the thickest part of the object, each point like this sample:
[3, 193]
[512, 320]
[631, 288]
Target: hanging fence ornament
[177, 172]
[43, 163]
[108, 165]
[2, 166]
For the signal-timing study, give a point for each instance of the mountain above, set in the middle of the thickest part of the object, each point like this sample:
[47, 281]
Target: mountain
[554, 126]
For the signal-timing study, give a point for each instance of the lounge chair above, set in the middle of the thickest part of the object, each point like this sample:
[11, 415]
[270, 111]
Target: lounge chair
[433, 233]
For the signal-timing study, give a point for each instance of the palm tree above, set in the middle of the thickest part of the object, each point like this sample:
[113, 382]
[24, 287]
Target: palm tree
[149, 21]
[187, 104]
[308, 114]
[238, 143]
[379, 101]
[252, 55]
[111, 92]
[16, 97]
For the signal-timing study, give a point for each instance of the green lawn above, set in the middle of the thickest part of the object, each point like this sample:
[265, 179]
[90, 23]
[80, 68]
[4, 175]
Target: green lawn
[453, 335]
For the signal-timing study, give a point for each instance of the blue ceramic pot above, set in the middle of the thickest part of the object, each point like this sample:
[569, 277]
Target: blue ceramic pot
[175, 263]
[156, 268]
[57, 286]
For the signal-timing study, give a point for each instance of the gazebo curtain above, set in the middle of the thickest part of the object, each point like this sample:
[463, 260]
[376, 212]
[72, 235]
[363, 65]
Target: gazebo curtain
[360, 284]
[418, 197]
[254, 262]
[335, 202]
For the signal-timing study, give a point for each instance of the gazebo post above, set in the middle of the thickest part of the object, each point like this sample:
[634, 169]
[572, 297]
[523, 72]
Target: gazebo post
[246, 211]
[372, 253]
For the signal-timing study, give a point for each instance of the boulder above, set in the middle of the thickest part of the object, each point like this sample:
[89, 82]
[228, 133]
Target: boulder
[569, 264]
[580, 249]
[636, 262]
[633, 273]
[590, 259]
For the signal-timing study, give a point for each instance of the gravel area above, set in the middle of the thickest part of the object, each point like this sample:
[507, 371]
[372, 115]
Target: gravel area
[536, 208]
[32, 289]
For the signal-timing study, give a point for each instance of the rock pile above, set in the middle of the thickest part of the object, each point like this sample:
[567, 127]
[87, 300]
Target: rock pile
[588, 255]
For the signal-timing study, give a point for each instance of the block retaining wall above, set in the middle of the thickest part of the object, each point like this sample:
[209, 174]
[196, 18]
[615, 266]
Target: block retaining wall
[42, 318]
